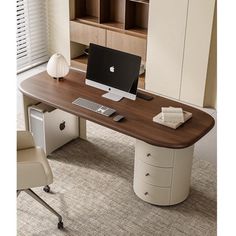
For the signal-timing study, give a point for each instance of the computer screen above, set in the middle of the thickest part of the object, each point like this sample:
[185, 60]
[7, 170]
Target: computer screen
[114, 71]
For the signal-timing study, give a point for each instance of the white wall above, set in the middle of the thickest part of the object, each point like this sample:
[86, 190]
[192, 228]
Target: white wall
[59, 28]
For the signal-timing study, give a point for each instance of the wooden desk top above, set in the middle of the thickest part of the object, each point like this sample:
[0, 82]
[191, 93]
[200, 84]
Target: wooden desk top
[138, 114]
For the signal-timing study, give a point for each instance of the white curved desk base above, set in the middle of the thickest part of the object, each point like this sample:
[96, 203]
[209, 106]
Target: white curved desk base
[162, 176]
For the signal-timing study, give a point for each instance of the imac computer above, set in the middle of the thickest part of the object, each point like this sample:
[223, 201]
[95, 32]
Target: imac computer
[113, 71]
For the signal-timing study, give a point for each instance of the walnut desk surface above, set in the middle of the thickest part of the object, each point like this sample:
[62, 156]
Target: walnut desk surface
[138, 114]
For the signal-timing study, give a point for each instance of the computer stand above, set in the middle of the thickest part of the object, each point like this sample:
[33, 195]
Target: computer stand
[112, 96]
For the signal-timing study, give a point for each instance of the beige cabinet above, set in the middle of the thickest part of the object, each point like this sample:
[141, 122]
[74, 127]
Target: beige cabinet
[166, 32]
[179, 40]
[196, 53]
[127, 43]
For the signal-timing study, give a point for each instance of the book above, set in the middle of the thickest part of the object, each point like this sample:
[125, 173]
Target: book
[174, 125]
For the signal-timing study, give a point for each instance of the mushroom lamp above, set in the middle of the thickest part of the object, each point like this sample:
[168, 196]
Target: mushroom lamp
[57, 66]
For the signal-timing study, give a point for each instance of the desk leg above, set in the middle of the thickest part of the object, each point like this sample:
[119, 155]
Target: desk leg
[162, 175]
[82, 129]
[27, 101]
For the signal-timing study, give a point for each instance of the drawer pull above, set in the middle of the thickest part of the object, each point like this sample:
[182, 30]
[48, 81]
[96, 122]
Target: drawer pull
[147, 174]
[149, 154]
[146, 193]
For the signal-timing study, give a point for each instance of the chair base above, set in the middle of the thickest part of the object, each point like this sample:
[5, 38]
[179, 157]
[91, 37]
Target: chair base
[42, 202]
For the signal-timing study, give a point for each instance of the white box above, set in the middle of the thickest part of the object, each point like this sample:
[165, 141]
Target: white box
[51, 127]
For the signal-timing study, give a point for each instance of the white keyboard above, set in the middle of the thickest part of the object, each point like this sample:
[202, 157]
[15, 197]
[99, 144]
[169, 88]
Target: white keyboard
[93, 106]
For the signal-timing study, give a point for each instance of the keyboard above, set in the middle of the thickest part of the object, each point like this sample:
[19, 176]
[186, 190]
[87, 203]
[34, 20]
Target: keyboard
[93, 106]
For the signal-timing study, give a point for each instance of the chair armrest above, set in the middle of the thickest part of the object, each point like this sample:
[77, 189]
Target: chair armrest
[30, 175]
[24, 140]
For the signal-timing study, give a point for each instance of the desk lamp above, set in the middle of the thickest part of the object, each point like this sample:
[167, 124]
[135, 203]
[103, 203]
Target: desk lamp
[57, 66]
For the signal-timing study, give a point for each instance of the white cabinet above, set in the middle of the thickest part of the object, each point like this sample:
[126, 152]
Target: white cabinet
[162, 175]
[196, 53]
[165, 45]
[179, 40]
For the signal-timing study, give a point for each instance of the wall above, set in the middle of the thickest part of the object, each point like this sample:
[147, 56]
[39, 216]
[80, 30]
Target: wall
[58, 27]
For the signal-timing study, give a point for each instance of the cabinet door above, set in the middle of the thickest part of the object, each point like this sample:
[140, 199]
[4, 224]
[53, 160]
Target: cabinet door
[196, 55]
[127, 43]
[165, 46]
[86, 34]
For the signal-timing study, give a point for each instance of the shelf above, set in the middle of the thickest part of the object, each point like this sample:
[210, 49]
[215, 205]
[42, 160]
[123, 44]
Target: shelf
[140, 1]
[112, 13]
[111, 25]
[80, 62]
[138, 31]
[87, 9]
[136, 16]
[88, 19]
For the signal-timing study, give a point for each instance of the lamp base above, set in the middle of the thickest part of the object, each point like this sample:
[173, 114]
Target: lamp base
[59, 78]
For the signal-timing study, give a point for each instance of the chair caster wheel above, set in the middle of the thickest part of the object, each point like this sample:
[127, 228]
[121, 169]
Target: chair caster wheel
[60, 225]
[46, 189]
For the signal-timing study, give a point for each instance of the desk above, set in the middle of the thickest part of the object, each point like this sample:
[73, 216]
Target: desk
[163, 157]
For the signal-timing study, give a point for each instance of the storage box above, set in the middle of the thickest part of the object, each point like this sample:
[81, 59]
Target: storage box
[52, 127]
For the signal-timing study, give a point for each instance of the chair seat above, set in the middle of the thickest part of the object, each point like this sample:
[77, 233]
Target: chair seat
[33, 169]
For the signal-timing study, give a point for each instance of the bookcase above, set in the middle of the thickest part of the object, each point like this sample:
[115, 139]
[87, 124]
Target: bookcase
[118, 24]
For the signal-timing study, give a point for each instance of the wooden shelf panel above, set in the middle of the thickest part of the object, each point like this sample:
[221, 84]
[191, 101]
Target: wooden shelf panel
[80, 62]
[140, 1]
[88, 19]
[138, 31]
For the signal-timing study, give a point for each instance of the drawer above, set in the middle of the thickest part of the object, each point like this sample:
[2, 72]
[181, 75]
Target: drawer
[127, 43]
[153, 175]
[153, 155]
[86, 34]
[152, 194]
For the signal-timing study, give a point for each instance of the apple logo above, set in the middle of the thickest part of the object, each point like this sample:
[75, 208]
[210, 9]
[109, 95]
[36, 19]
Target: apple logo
[112, 69]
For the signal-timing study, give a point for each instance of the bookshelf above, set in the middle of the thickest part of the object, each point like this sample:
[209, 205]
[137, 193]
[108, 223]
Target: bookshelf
[119, 24]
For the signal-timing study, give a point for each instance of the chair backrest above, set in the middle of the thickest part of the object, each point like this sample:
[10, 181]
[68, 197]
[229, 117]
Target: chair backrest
[24, 140]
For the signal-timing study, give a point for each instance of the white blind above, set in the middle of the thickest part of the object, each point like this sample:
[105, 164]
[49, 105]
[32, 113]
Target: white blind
[32, 33]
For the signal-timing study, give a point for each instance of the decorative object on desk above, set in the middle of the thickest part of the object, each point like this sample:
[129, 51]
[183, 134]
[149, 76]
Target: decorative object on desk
[172, 114]
[174, 125]
[57, 66]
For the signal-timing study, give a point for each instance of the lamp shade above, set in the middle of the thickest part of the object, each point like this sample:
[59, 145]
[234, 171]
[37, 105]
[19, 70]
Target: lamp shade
[57, 66]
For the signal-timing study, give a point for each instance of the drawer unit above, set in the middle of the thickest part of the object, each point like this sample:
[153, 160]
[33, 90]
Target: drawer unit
[153, 175]
[152, 194]
[52, 127]
[162, 175]
[86, 34]
[153, 155]
[127, 43]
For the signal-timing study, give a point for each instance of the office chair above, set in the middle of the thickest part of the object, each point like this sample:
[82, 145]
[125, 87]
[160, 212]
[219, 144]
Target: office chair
[33, 170]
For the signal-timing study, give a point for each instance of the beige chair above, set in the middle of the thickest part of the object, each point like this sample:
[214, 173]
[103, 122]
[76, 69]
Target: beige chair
[33, 169]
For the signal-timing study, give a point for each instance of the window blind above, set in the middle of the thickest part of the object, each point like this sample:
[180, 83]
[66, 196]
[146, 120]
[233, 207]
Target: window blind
[32, 33]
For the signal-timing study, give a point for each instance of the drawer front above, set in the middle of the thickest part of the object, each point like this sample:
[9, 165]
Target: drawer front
[152, 194]
[153, 175]
[153, 155]
[86, 34]
[127, 43]
[60, 127]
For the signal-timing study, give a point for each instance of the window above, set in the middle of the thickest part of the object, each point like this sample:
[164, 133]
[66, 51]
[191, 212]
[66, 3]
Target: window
[32, 35]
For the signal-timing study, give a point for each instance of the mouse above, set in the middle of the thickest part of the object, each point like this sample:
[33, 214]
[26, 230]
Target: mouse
[118, 118]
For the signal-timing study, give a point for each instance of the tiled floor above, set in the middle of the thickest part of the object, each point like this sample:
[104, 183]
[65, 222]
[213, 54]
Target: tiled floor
[205, 149]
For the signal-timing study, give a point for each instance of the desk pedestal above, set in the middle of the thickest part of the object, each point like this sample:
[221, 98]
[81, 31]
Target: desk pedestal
[162, 176]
